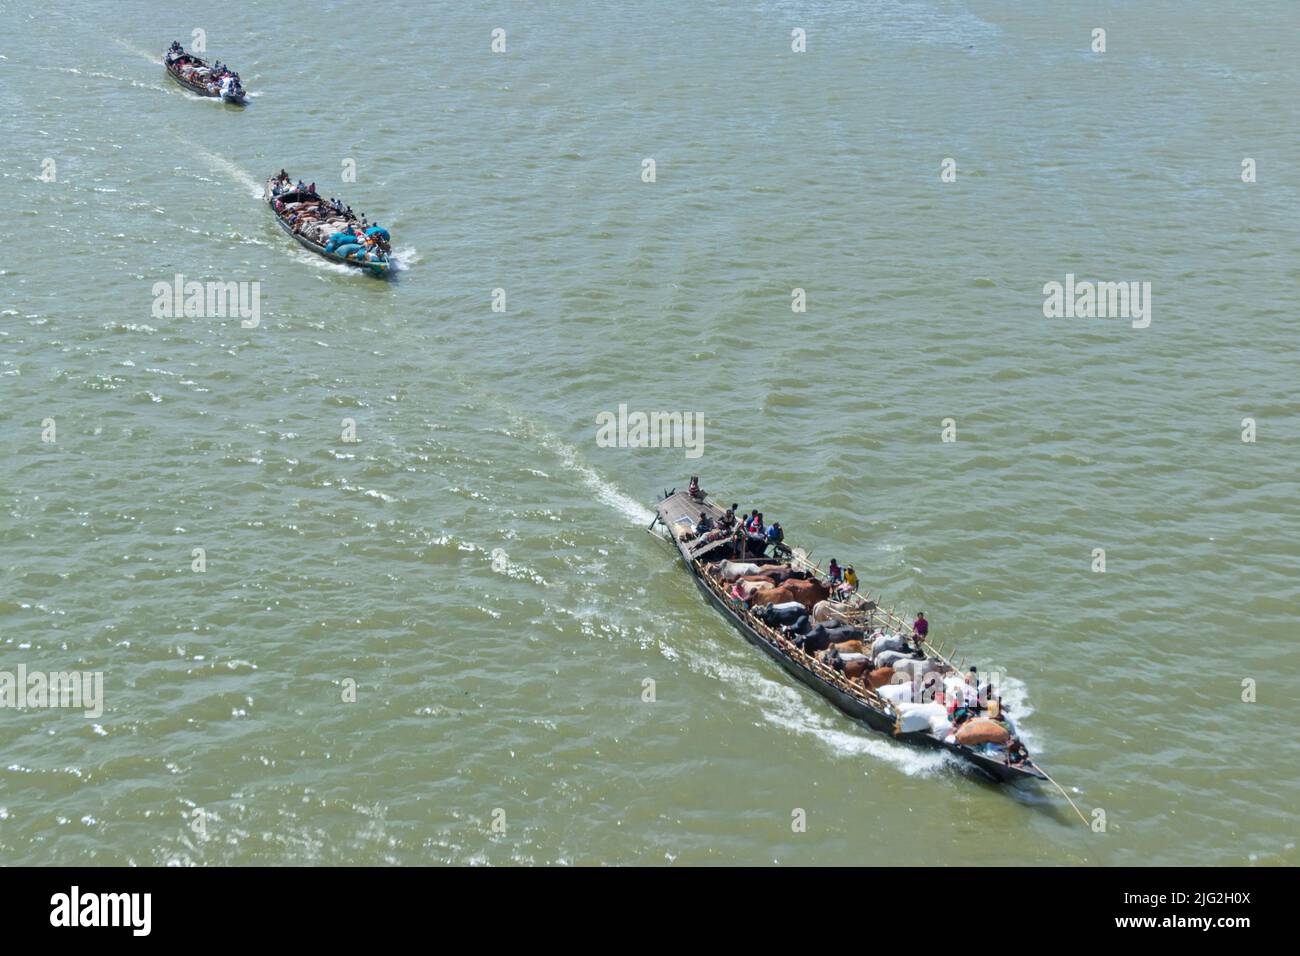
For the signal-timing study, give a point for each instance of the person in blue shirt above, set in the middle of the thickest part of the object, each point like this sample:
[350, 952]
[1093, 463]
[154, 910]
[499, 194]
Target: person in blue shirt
[774, 534]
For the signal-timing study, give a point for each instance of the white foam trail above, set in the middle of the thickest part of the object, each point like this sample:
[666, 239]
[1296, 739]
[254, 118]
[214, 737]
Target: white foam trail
[404, 258]
[1015, 694]
[298, 254]
[783, 705]
[223, 165]
[606, 492]
[151, 57]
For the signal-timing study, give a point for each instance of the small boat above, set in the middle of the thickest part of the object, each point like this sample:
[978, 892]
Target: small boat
[287, 201]
[195, 74]
[677, 512]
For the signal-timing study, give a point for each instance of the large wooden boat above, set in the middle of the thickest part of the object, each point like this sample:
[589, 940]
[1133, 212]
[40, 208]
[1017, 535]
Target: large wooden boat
[193, 73]
[677, 512]
[286, 202]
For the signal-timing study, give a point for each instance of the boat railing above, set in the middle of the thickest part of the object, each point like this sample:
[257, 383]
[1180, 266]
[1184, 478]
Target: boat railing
[828, 674]
[870, 607]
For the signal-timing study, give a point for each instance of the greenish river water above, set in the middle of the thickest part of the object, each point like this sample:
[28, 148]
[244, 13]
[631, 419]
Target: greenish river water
[475, 563]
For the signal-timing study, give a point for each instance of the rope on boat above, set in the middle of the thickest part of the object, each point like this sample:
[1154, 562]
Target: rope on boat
[1064, 794]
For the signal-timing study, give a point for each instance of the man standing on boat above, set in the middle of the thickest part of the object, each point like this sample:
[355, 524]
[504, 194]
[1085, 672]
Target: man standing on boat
[920, 628]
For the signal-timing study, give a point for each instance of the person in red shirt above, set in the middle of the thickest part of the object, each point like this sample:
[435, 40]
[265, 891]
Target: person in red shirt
[834, 573]
[920, 627]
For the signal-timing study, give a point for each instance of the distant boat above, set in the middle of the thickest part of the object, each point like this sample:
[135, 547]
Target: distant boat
[284, 204]
[194, 74]
[677, 512]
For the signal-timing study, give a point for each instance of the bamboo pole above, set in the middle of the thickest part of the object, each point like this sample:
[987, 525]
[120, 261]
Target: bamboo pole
[1064, 794]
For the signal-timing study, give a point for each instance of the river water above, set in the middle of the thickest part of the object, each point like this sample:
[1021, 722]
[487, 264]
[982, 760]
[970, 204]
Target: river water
[474, 569]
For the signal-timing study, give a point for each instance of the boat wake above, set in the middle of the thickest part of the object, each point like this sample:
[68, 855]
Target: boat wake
[143, 54]
[784, 706]
[402, 259]
[94, 74]
[298, 254]
[224, 166]
[605, 492]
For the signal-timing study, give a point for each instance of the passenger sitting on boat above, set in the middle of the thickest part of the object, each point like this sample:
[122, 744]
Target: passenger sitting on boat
[851, 578]
[1016, 752]
[704, 524]
[693, 489]
[774, 533]
[728, 520]
[755, 523]
[971, 692]
[920, 628]
[996, 711]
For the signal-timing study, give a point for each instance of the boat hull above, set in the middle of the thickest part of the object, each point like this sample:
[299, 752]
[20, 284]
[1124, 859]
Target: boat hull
[878, 720]
[240, 99]
[373, 268]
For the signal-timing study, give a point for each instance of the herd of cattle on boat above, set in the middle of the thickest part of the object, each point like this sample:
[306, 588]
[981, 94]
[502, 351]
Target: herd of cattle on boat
[824, 630]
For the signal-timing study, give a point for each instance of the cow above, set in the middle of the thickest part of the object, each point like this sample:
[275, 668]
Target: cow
[777, 614]
[852, 669]
[780, 573]
[820, 638]
[783, 595]
[887, 659]
[835, 611]
[808, 592]
[730, 570]
[748, 588]
[888, 642]
[917, 666]
[879, 677]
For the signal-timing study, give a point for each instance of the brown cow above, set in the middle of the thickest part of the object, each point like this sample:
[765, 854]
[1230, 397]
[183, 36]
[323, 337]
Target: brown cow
[880, 677]
[779, 573]
[853, 670]
[781, 595]
[808, 592]
[848, 647]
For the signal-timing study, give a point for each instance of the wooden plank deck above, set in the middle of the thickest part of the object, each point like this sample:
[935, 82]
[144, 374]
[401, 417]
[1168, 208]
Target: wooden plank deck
[680, 509]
